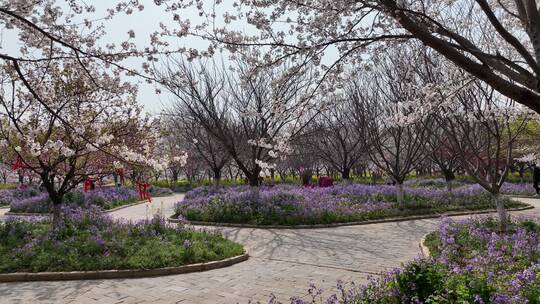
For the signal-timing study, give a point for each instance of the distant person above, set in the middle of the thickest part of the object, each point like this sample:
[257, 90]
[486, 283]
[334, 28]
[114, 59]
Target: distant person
[536, 178]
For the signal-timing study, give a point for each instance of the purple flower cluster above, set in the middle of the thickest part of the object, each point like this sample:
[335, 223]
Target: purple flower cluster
[518, 189]
[8, 196]
[472, 262]
[104, 198]
[290, 204]
[85, 239]
[508, 260]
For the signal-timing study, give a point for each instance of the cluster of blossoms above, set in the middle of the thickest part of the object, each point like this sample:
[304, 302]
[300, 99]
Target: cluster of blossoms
[529, 158]
[280, 148]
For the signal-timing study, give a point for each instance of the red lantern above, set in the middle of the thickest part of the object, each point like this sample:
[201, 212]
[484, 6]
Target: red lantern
[88, 184]
[143, 191]
[18, 164]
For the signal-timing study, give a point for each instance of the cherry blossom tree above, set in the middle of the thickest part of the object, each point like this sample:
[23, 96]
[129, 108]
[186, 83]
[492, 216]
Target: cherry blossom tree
[187, 132]
[497, 42]
[65, 125]
[385, 107]
[482, 131]
[335, 139]
[248, 112]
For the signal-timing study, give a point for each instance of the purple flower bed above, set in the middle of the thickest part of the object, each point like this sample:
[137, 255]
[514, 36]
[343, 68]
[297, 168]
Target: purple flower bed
[472, 262]
[8, 196]
[104, 198]
[518, 189]
[433, 183]
[293, 205]
[85, 239]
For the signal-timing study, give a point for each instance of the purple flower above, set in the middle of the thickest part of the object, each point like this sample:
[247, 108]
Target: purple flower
[187, 244]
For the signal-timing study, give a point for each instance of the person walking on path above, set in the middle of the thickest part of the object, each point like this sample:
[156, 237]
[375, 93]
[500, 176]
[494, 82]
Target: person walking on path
[536, 179]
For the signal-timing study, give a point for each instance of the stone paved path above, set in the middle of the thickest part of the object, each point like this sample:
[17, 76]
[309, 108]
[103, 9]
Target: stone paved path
[282, 262]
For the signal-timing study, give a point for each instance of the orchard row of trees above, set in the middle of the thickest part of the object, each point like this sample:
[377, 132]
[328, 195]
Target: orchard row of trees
[405, 110]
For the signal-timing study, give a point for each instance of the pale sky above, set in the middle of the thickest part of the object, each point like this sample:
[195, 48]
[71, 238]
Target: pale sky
[143, 24]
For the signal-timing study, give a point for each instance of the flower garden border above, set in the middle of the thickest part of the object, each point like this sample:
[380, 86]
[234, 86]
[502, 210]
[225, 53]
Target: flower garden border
[356, 223]
[121, 274]
[423, 248]
[102, 211]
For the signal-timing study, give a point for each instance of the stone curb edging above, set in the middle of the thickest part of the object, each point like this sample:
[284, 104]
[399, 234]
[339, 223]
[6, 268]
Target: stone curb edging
[27, 214]
[423, 248]
[120, 274]
[124, 206]
[316, 226]
[520, 196]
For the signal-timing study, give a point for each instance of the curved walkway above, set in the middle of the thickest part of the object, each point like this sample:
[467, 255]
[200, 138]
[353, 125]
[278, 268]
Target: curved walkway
[282, 262]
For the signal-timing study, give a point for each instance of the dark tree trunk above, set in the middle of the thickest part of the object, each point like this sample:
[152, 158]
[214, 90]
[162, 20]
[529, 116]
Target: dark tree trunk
[57, 210]
[253, 180]
[115, 177]
[448, 177]
[521, 172]
[273, 175]
[346, 173]
[400, 193]
[55, 197]
[217, 176]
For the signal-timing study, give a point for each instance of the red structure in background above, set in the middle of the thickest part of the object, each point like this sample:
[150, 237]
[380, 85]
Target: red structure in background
[18, 164]
[143, 191]
[325, 181]
[88, 185]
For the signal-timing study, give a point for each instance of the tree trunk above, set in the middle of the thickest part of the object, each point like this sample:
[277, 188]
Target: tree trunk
[255, 190]
[521, 174]
[503, 216]
[174, 176]
[253, 180]
[57, 210]
[346, 174]
[306, 177]
[115, 177]
[273, 176]
[449, 177]
[217, 176]
[449, 185]
[400, 193]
